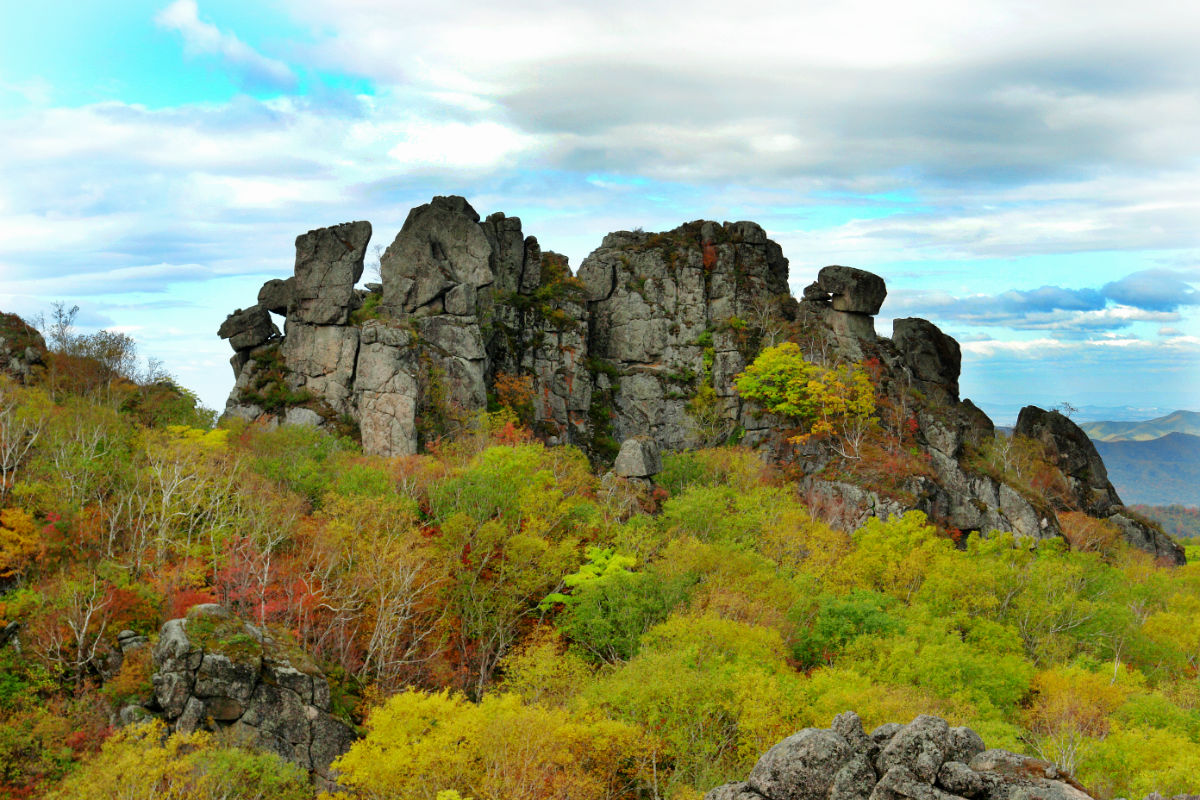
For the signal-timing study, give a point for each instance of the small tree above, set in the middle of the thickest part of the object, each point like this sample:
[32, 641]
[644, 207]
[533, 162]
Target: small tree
[837, 402]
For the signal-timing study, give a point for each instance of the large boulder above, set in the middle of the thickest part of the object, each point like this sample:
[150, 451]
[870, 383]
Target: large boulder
[638, 458]
[218, 672]
[934, 358]
[852, 290]
[1070, 449]
[802, 766]
[276, 295]
[440, 247]
[248, 328]
[329, 261]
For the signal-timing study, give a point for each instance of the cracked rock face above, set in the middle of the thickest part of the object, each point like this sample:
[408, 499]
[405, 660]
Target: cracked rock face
[329, 261]
[217, 672]
[924, 760]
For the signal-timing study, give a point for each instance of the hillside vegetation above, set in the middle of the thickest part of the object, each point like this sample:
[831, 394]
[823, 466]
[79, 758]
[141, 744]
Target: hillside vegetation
[499, 621]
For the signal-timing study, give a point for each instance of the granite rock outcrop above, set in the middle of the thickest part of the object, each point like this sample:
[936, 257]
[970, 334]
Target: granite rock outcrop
[640, 346]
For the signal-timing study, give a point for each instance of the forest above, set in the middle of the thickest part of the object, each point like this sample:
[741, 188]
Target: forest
[501, 620]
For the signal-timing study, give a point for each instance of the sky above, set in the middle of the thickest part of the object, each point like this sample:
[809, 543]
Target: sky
[1024, 174]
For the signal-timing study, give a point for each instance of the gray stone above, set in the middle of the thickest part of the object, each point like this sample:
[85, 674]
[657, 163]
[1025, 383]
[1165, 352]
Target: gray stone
[329, 261]
[848, 725]
[1017, 777]
[276, 295]
[128, 641]
[133, 715]
[440, 246]
[963, 744]
[388, 391]
[957, 778]
[303, 418]
[192, 718]
[248, 328]
[270, 697]
[218, 676]
[900, 783]
[461, 300]
[733, 791]
[934, 358]
[884, 733]
[639, 458]
[321, 359]
[855, 780]
[802, 766]
[920, 748]
[854, 290]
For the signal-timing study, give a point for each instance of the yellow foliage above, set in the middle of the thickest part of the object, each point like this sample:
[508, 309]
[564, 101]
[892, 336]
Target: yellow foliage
[18, 541]
[422, 746]
[141, 762]
[543, 671]
[1071, 710]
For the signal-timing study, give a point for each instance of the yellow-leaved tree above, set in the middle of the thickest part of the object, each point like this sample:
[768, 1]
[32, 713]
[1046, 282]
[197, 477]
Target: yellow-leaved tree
[835, 403]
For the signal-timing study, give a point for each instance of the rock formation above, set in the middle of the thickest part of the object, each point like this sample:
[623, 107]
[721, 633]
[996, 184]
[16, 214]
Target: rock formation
[215, 671]
[21, 348]
[924, 760]
[641, 346]
[1087, 480]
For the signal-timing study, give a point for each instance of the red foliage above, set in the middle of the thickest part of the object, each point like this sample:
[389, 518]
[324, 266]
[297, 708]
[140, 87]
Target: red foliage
[511, 435]
[710, 255]
[874, 369]
[127, 608]
[179, 601]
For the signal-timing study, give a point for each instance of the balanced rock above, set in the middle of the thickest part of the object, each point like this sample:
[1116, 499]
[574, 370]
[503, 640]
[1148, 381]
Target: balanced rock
[248, 328]
[276, 295]
[853, 290]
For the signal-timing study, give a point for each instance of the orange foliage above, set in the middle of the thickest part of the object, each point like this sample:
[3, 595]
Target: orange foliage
[1088, 534]
[515, 392]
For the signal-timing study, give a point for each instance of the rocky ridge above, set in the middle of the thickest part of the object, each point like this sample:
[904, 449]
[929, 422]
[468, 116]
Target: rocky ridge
[642, 343]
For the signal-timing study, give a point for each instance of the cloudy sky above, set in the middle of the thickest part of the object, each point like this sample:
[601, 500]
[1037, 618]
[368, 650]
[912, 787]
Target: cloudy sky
[1024, 174]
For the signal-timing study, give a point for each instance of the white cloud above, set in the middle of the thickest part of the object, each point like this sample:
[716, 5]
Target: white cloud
[204, 38]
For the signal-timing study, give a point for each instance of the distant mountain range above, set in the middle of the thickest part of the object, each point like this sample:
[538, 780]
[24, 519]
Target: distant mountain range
[1158, 471]
[1119, 430]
